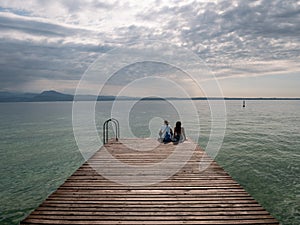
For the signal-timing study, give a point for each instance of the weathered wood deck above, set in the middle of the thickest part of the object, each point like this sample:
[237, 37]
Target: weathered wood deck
[187, 197]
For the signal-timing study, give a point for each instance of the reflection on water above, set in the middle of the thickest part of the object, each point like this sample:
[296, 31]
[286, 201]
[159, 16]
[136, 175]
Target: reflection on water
[260, 150]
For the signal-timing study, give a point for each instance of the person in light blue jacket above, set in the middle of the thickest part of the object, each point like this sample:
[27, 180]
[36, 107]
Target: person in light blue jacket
[165, 132]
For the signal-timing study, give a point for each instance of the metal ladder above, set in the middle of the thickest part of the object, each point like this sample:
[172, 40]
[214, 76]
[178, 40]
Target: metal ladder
[105, 129]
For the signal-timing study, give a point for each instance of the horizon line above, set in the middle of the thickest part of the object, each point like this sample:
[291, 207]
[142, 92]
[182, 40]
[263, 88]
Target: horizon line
[113, 97]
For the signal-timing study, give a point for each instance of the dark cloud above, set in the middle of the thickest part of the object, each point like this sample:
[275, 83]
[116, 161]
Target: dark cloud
[22, 61]
[237, 37]
[36, 27]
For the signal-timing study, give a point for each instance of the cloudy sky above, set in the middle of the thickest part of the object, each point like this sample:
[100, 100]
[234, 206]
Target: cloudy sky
[252, 47]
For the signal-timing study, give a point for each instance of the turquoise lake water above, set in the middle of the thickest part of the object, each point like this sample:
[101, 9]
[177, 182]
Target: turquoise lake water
[261, 149]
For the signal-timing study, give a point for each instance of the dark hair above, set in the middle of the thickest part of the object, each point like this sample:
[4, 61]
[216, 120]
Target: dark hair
[178, 127]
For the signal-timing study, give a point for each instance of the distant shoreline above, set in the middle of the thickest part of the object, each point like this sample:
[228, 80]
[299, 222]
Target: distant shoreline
[54, 96]
[156, 99]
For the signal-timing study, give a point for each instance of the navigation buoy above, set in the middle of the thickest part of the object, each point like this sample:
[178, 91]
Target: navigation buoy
[244, 104]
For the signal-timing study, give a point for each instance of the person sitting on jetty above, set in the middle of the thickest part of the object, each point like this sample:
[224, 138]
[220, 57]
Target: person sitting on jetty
[179, 134]
[165, 132]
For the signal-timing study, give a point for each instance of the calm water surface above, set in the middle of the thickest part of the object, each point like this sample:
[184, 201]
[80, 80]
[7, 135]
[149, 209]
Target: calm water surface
[261, 149]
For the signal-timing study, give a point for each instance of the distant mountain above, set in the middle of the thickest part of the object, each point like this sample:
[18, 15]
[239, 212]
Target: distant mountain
[52, 96]
[47, 96]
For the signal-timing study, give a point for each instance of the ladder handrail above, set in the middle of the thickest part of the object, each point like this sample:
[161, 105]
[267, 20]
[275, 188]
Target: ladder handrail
[105, 129]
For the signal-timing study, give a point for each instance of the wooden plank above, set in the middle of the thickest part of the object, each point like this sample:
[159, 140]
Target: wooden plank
[30, 221]
[188, 197]
[145, 210]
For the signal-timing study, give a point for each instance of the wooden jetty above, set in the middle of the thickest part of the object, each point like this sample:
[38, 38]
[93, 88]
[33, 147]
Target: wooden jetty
[190, 196]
